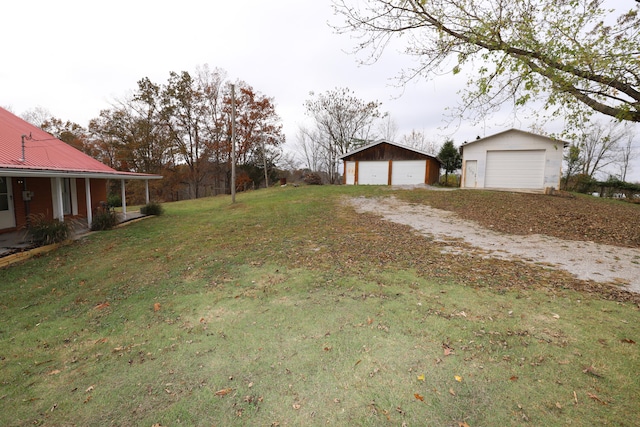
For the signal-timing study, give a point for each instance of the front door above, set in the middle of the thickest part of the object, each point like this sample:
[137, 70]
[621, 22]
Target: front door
[7, 217]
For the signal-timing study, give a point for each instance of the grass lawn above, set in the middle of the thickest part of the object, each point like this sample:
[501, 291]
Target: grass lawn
[287, 309]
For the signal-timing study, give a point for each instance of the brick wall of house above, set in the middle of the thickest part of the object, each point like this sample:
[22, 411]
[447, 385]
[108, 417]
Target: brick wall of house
[42, 201]
[98, 192]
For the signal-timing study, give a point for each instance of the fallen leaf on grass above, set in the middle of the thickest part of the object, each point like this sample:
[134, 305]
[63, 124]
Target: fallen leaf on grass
[421, 377]
[513, 378]
[452, 392]
[223, 392]
[458, 378]
[419, 397]
[156, 306]
[463, 424]
[54, 372]
[101, 306]
[596, 398]
[591, 370]
[448, 350]
[627, 341]
[296, 406]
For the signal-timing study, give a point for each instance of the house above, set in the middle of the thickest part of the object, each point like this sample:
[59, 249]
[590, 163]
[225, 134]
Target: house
[387, 163]
[40, 174]
[513, 159]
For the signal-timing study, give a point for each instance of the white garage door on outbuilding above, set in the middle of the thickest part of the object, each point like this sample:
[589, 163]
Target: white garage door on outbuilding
[373, 173]
[408, 172]
[515, 169]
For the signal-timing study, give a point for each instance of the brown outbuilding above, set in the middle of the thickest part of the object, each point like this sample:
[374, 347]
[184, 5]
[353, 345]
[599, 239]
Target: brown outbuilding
[388, 163]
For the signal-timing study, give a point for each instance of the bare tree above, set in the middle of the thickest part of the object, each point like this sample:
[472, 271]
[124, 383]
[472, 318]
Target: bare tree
[309, 148]
[343, 122]
[627, 154]
[417, 139]
[37, 116]
[600, 146]
[388, 128]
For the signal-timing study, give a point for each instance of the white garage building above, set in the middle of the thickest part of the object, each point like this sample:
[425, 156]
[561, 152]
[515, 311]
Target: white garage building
[512, 159]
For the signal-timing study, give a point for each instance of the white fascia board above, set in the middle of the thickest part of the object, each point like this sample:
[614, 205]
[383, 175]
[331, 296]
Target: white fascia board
[73, 174]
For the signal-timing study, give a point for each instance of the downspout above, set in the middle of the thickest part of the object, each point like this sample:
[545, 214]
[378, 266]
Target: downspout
[27, 200]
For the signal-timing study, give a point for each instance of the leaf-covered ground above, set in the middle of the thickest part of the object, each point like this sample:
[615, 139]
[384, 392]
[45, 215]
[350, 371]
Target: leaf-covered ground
[566, 216]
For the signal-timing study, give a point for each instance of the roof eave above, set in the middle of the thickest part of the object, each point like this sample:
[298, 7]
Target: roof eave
[44, 173]
[385, 141]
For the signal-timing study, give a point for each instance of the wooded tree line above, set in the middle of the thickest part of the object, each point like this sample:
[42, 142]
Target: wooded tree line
[181, 129]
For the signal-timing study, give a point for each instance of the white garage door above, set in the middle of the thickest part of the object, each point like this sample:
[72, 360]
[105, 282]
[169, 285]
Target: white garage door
[373, 173]
[515, 169]
[408, 172]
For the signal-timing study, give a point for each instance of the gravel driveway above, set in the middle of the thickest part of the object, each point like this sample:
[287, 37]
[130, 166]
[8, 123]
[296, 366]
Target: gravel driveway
[585, 260]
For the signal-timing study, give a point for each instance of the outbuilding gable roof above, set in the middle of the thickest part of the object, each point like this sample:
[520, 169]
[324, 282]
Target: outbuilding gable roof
[513, 130]
[385, 141]
[27, 149]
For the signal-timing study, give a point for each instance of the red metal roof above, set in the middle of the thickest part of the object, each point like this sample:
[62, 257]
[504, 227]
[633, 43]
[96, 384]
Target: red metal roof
[42, 151]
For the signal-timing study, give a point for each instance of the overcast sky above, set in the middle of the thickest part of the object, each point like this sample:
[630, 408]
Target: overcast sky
[74, 58]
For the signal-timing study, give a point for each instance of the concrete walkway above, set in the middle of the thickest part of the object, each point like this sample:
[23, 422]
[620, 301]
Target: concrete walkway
[19, 241]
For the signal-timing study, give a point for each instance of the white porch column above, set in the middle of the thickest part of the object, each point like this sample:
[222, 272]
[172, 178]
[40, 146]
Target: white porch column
[87, 192]
[56, 196]
[124, 198]
[146, 190]
[74, 196]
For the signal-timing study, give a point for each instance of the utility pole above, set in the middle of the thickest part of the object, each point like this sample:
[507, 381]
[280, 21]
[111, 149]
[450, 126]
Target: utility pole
[264, 161]
[233, 143]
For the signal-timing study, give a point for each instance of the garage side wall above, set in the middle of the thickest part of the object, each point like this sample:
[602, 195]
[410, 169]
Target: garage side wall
[516, 142]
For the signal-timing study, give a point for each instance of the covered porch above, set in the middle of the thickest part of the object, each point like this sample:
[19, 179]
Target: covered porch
[58, 195]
